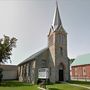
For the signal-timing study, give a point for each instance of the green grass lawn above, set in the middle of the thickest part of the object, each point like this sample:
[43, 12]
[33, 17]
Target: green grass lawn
[84, 83]
[15, 85]
[65, 87]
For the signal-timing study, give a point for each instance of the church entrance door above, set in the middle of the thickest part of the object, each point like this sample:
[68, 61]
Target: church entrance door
[61, 78]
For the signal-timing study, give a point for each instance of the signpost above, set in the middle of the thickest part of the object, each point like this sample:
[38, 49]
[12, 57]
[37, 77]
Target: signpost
[43, 73]
[43, 76]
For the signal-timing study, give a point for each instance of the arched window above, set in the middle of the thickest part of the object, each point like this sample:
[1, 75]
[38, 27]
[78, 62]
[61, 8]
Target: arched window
[61, 51]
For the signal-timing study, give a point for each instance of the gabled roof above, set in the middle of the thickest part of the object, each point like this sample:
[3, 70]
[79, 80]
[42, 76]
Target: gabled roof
[34, 56]
[81, 60]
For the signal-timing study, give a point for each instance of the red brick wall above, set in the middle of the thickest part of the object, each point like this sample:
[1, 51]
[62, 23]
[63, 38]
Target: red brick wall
[88, 71]
[73, 71]
[80, 71]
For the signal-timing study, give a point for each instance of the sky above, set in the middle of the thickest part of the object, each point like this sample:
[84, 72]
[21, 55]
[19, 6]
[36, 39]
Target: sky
[30, 21]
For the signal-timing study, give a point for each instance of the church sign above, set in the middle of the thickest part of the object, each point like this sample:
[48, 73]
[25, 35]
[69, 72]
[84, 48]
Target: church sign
[43, 73]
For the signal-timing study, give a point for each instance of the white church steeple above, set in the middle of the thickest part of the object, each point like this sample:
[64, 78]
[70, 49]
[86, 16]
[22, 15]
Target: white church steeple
[56, 20]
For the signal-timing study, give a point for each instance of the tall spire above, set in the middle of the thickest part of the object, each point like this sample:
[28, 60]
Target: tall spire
[56, 20]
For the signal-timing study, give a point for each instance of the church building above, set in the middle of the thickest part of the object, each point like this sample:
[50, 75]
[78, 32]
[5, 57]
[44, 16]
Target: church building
[54, 57]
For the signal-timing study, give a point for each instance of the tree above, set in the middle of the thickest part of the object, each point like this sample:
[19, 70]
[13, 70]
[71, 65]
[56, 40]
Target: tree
[6, 46]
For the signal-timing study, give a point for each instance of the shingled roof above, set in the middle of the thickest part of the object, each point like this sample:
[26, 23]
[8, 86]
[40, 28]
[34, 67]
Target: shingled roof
[33, 56]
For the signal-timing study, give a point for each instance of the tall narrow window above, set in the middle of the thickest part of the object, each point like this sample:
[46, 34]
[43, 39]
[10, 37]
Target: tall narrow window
[76, 72]
[84, 71]
[43, 63]
[50, 71]
[61, 51]
[29, 69]
[61, 39]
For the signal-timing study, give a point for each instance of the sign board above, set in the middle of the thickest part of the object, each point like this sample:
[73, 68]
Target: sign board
[43, 73]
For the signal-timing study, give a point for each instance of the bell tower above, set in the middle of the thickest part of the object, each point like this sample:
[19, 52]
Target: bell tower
[57, 43]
